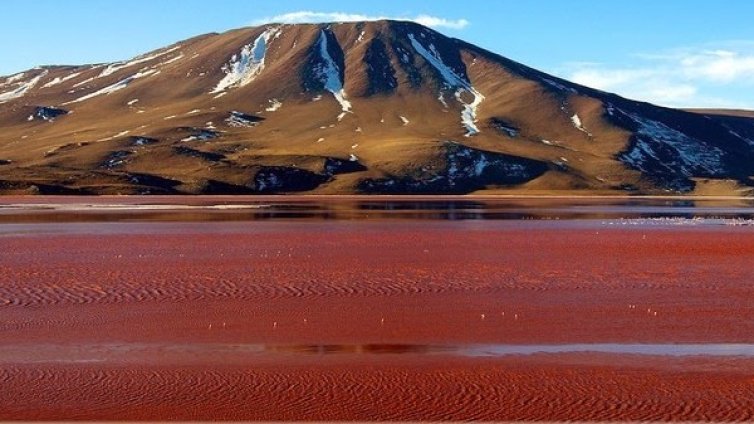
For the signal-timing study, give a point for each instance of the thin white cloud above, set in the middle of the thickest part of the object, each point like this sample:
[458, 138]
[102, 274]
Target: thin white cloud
[307, 16]
[680, 78]
[435, 22]
[719, 65]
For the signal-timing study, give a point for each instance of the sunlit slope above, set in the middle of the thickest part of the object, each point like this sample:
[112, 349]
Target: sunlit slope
[372, 107]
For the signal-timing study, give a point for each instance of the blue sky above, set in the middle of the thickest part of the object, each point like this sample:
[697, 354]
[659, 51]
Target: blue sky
[671, 52]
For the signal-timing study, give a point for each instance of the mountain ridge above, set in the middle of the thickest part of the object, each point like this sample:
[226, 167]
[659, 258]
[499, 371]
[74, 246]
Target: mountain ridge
[342, 108]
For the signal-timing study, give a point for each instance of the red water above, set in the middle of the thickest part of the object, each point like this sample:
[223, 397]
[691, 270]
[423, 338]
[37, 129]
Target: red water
[65, 287]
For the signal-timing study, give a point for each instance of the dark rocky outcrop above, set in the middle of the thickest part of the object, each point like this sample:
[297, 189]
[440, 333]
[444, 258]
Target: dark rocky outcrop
[281, 179]
[47, 113]
[208, 156]
[241, 119]
[200, 134]
[341, 166]
[116, 159]
[504, 127]
[466, 170]
[317, 67]
[139, 141]
[380, 73]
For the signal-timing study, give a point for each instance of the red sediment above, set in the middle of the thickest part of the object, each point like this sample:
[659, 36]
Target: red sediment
[378, 282]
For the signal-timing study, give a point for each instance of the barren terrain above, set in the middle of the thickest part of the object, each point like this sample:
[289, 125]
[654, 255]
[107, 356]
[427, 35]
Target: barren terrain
[381, 107]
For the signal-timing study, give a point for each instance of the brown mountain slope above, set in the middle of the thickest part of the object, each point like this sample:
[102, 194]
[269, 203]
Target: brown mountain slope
[373, 107]
[725, 112]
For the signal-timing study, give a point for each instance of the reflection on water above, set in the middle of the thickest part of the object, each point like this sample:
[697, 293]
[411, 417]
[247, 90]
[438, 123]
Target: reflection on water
[324, 349]
[177, 353]
[282, 208]
[720, 349]
[498, 350]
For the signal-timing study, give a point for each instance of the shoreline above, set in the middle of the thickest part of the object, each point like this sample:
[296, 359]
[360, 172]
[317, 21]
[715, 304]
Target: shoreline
[321, 197]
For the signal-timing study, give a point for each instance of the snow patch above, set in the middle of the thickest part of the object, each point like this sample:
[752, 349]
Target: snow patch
[579, 126]
[142, 141]
[59, 80]
[120, 134]
[690, 154]
[118, 66]
[547, 142]
[275, 104]
[505, 127]
[171, 60]
[329, 74]
[441, 98]
[13, 78]
[22, 88]
[115, 87]
[558, 85]
[737, 135]
[469, 112]
[201, 134]
[239, 119]
[81, 83]
[244, 67]
[117, 158]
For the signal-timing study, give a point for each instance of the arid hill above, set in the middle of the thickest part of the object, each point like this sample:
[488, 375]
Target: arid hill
[373, 107]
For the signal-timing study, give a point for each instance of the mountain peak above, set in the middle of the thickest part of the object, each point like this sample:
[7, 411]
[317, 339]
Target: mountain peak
[376, 107]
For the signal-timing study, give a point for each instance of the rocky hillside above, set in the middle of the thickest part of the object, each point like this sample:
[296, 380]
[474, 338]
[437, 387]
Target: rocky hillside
[372, 107]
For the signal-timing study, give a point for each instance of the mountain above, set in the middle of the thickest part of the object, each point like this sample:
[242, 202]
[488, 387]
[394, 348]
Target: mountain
[369, 107]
